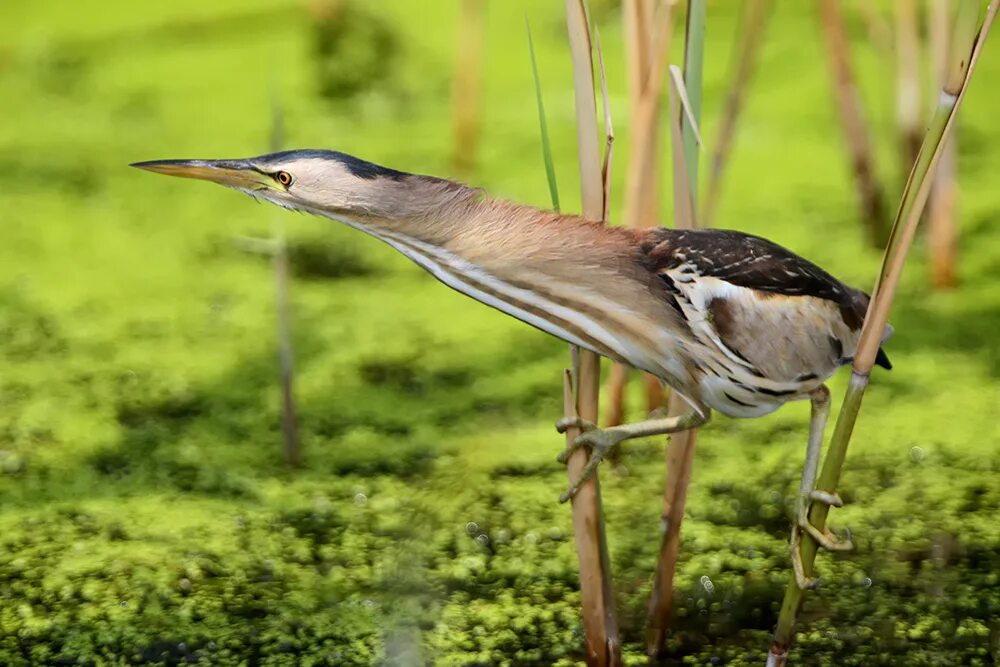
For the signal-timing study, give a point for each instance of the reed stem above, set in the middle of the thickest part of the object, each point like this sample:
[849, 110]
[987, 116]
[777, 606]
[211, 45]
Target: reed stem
[754, 21]
[599, 618]
[942, 208]
[685, 100]
[647, 34]
[966, 45]
[851, 116]
[466, 93]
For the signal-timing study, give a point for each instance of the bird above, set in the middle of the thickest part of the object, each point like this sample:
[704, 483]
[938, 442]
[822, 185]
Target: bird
[729, 321]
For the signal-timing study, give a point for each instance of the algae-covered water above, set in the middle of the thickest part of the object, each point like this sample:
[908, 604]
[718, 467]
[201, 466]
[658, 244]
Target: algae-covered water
[146, 514]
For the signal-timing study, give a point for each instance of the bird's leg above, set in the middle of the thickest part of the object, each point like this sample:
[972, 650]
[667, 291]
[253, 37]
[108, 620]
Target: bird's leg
[602, 441]
[808, 492]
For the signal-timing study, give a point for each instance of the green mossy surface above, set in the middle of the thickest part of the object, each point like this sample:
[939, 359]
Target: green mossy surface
[146, 516]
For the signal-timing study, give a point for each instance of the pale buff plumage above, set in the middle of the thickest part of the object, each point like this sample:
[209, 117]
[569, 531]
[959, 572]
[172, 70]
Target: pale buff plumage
[729, 321]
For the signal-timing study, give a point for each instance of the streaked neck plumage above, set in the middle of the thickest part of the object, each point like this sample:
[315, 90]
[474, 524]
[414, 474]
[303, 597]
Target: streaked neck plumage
[577, 280]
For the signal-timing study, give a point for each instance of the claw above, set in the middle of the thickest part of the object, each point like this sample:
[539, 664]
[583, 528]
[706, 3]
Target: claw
[601, 442]
[825, 538]
[563, 456]
[827, 498]
[567, 423]
[805, 583]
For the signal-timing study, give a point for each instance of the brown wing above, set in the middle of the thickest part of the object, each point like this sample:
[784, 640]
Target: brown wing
[749, 261]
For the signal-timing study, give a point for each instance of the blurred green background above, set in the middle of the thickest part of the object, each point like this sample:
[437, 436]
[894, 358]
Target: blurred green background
[146, 513]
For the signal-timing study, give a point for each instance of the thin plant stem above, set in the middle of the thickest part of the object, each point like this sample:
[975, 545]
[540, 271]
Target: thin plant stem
[599, 618]
[466, 93]
[870, 193]
[694, 53]
[550, 169]
[609, 132]
[942, 230]
[680, 449]
[966, 46]
[909, 101]
[648, 32]
[751, 33]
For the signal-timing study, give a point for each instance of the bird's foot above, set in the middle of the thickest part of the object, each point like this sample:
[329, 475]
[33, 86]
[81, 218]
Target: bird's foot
[566, 423]
[601, 442]
[805, 583]
[825, 538]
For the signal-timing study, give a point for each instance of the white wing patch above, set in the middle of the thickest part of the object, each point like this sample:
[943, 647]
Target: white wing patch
[695, 293]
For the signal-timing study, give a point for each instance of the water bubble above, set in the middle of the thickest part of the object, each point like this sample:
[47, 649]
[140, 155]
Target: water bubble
[531, 537]
[707, 584]
[502, 536]
[867, 582]
[360, 499]
[123, 604]
[483, 540]
[472, 528]
[182, 647]
[917, 454]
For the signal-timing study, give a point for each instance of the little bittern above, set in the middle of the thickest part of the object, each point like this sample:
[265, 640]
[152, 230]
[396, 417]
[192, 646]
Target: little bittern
[729, 321]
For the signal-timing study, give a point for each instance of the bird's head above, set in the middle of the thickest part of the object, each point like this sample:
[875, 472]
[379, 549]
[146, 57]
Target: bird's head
[316, 181]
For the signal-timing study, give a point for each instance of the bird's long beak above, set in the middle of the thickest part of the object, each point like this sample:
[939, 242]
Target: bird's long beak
[233, 173]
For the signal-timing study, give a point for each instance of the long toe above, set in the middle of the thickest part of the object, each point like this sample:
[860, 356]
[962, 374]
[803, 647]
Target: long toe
[601, 442]
[567, 423]
[803, 582]
[827, 498]
[825, 538]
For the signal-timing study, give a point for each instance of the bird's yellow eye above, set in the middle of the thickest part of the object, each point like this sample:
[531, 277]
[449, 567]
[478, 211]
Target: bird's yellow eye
[284, 178]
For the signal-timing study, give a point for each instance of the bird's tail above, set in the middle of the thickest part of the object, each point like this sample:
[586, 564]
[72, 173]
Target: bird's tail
[881, 358]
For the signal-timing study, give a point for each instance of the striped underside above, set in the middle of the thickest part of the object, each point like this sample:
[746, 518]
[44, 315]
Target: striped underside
[573, 320]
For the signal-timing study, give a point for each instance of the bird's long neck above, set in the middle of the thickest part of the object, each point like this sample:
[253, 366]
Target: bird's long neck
[577, 280]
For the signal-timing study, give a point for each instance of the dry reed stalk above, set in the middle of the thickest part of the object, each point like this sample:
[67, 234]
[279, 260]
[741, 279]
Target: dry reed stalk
[964, 51]
[942, 230]
[609, 132]
[680, 450]
[647, 36]
[597, 597]
[286, 353]
[852, 121]
[751, 33]
[909, 101]
[466, 94]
